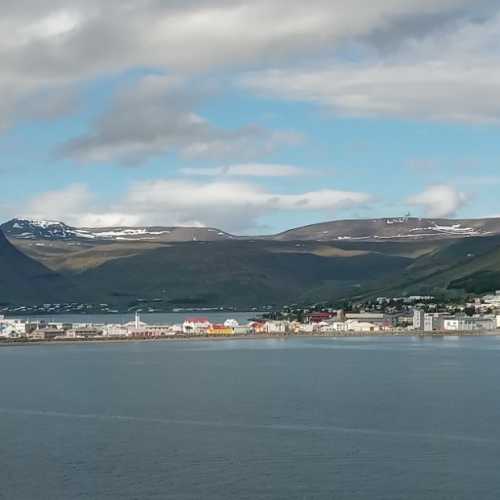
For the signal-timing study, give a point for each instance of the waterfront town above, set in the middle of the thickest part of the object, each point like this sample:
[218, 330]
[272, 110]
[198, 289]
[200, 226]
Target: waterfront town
[382, 316]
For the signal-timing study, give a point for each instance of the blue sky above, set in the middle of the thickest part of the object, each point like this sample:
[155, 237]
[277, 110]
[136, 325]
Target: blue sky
[249, 116]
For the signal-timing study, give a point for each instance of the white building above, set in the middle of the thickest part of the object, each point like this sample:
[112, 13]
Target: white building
[116, 331]
[12, 328]
[351, 325]
[467, 323]
[196, 326]
[362, 326]
[459, 324]
[418, 319]
[276, 327]
[435, 321]
[492, 300]
[231, 323]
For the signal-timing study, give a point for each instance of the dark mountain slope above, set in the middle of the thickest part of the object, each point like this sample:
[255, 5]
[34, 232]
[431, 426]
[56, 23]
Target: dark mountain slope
[234, 273]
[23, 280]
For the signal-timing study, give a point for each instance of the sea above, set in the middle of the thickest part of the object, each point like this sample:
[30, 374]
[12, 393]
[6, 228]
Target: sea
[302, 418]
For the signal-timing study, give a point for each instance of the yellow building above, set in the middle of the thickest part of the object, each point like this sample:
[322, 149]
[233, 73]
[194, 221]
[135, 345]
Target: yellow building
[220, 330]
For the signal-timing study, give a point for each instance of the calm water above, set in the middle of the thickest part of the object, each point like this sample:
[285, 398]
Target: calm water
[390, 418]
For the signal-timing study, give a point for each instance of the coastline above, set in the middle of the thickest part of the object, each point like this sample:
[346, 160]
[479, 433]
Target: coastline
[204, 338]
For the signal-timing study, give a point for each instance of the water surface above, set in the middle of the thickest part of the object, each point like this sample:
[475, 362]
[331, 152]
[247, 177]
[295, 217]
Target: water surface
[374, 419]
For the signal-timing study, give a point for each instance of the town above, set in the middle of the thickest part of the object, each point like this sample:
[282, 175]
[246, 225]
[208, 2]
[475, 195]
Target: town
[382, 316]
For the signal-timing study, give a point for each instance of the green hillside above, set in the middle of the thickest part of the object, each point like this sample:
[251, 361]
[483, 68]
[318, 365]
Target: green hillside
[237, 273]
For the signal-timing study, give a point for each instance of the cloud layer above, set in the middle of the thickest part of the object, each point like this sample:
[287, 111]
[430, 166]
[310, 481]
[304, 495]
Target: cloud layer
[46, 45]
[233, 206]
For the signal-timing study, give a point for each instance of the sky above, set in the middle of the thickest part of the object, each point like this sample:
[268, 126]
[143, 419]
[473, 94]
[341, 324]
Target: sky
[249, 116]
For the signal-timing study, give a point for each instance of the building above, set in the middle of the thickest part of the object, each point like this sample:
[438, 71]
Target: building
[276, 327]
[243, 330]
[434, 322]
[116, 331]
[13, 328]
[48, 333]
[351, 325]
[221, 330]
[145, 331]
[84, 332]
[492, 300]
[380, 319]
[467, 323]
[195, 326]
[320, 316]
[418, 319]
[362, 326]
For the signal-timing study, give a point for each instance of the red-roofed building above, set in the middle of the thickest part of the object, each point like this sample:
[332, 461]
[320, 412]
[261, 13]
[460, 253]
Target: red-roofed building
[320, 316]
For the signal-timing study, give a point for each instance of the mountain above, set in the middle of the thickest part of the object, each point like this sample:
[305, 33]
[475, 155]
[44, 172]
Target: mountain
[240, 273]
[466, 265]
[27, 229]
[206, 267]
[403, 228]
[23, 280]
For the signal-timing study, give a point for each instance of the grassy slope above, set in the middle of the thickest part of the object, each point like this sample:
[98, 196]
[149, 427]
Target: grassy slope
[444, 268]
[262, 272]
[235, 273]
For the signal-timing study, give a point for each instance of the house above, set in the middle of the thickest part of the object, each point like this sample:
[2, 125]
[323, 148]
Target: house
[84, 332]
[320, 316]
[222, 330]
[363, 326]
[13, 328]
[276, 327]
[45, 334]
[195, 326]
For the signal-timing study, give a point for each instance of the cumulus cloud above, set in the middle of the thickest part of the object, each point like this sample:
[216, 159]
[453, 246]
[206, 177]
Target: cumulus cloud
[233, 206]
[155, 116]
[246, 170]
[439, 200]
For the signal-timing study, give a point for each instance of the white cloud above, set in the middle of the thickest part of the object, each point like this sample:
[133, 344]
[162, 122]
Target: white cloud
[247, 170]
[233, 206]
[428, 90]
[439, 200]
[229, 205]
[68, 202]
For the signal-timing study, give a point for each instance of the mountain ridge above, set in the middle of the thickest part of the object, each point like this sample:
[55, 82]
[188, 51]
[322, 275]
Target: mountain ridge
[376, 229]
[326, 261]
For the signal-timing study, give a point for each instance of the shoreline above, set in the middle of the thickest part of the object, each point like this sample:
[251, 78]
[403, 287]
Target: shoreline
[121, 340]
